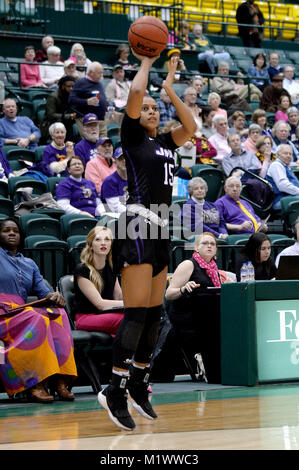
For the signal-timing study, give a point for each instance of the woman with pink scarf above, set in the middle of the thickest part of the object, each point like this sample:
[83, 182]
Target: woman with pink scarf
[196, 305]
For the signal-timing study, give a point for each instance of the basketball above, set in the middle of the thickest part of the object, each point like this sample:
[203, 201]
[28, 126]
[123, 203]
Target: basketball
[148, 36]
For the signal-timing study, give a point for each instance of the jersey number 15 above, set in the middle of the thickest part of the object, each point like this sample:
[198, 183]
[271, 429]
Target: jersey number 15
[168, 174]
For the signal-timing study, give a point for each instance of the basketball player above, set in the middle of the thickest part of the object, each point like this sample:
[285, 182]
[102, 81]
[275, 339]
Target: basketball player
[142, 260]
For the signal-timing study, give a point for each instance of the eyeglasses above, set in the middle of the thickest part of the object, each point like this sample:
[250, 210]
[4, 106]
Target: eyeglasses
[208, 243]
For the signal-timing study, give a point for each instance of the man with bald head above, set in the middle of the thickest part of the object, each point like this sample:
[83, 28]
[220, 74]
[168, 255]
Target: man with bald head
[237, 213]
[283, 180]
[88, 96]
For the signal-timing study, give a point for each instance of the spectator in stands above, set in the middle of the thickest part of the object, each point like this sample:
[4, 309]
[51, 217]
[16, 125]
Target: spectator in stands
[281, 135]
[41, 54]
[96, 286]
[264, 153]
[282, 178]
[181, 68]
[88, 96]
[30, 73]
[257, 250]
[259, 71]
[183, 37]
[291, 85]
[166, 109]
[274, 68]
[117, 90]
[219, 138]
[102, 165]
[114, 190]
[292, 250]
[58, 109]
[214, 101]
[81, 66]
[283, 106]
[197, 83]
[57, 153]
[78, 195]
[205, 48]
[238, 214]
[254, 132]
[231, 93]
[87, 147]
[38, 344]
[272, 93]
[52, 69]
[259, 117]
[122, 54]
[205, 152]
[188, 290]
[5, 169]
[76, 49]
[238, 157]
[17, 130]
[70, 69]
[199, 215]
[190, 96]
[238, 119]
[249, 13]
[207, 115]
[293, 120]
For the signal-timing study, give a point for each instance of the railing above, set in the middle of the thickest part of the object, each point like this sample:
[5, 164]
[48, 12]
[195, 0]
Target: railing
[37, 13]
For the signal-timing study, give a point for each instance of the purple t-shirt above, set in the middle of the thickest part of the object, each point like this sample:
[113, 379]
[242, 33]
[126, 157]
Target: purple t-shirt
[82, 194]
[232, 213]
[114, 186]
[86, 150]
[51, 154]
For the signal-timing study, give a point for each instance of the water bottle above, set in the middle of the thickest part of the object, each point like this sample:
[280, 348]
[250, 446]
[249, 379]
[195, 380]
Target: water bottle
[244, 273]
[250, 269]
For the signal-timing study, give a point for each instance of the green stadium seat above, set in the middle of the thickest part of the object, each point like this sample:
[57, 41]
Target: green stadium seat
[73, 224]
[52, 183]
[6, 207]
[39, 153]
[214, 178]
[3, 189]
[40, 224]
[20, 154]
[16, 182]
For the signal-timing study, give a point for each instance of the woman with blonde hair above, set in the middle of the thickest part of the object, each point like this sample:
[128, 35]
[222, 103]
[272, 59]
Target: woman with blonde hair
[98, 304]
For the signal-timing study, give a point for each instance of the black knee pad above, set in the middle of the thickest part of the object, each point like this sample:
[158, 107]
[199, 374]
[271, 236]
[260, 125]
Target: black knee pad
[128, 336]
[149, 336]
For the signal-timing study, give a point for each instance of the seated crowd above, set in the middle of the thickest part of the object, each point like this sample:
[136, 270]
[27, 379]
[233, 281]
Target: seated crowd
[92, 181]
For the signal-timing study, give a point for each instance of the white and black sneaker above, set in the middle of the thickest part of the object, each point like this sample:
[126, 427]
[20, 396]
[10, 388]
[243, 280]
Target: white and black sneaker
[114, 400]
[140, 398]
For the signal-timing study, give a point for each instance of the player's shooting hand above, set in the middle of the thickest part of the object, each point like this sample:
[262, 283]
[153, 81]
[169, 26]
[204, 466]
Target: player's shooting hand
[144, 58]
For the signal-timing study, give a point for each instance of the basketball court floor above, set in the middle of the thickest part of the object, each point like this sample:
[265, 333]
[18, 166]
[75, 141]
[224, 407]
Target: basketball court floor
[192, 416]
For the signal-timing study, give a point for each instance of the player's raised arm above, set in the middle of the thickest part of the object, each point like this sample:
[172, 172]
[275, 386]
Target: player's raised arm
[184, 132]
[139, 85]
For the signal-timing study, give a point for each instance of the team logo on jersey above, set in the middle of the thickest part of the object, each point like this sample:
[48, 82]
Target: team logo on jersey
[86, 192]
[162, 152]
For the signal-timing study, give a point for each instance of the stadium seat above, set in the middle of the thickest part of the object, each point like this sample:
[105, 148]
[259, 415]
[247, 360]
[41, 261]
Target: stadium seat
[76, 224]
[17, 182]
[20, 154]
[52, 183]
[39, 153]
[50, 254]
[39, 224]
[3, 189]
[85, 342]
[75, 245]
[6, 207]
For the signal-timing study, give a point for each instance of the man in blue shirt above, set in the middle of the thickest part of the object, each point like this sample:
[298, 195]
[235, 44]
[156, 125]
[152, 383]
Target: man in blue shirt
[166, 109]
[88, 96]
[17, 130]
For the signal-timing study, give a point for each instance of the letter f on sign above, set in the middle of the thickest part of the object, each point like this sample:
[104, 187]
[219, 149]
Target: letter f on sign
[283, 324]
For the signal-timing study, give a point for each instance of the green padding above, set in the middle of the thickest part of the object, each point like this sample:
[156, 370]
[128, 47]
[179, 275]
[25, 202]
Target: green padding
[276, 290]
[238, 338]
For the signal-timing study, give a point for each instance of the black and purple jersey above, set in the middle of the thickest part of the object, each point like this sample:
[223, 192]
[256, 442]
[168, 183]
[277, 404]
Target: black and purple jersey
[150, 164]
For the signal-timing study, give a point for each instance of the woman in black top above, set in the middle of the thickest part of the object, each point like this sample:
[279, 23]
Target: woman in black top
[96, 287]
[195, 307]
[142, 254]
[258, 251]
